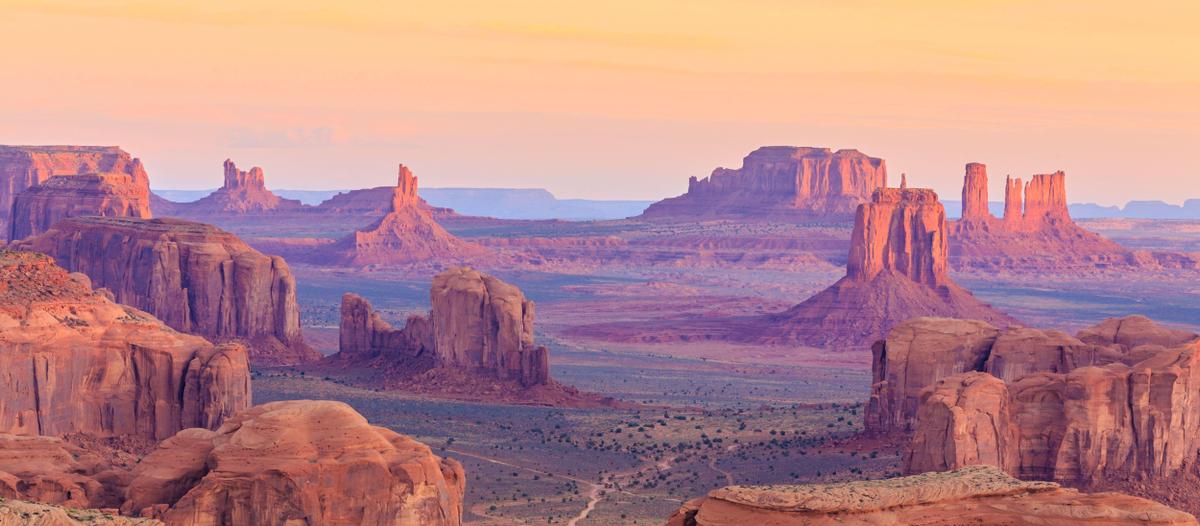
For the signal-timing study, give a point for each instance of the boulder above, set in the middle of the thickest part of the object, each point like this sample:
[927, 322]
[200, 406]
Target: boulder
[280, 464]
[195, 277]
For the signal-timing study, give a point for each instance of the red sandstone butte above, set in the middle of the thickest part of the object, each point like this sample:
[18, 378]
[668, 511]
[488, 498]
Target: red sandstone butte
[24, 166]
[1036, 232]
[897, 269]
[297, 462]
[781, 182]
[243, 193]
[195, 277]
[39, 207]
[981, 495]
[406, 235]
[76, 362]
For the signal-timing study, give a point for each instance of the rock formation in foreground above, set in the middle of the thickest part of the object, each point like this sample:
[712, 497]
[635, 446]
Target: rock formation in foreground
[195, 277]
[781, 182]
[24, 166]
[76, 362]
[1114, 404]
[242, 193]
[21, 513]
[475, 343]
[1036, 232]
[897, 269]
[297, 462]
[980, 495]
[407, 235]
[39, 207]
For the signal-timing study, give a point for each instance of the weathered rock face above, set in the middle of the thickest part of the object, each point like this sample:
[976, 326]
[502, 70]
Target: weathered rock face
[921, 351]
[781, 182]
[278, 463]
[77, 362]
[1075, 412]
[978, 495]
[48, 470]
[1038, 236]
[896, 270]
[407, 235]
[484, 323]
[477, 324]
[39, 207]
[243, 193]
[195, 277]
[24, 166]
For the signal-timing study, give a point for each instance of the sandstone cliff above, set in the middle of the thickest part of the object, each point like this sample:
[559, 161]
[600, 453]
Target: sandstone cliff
[195, 277]
[897, 269]
[24, 166]
[74, 361]
[242, 193]
[781, 182]
[40, 207]
[978, 495]
[406, 235]
[280, 463]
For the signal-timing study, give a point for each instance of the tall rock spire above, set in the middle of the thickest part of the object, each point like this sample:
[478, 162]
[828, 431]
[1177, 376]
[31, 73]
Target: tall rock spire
[975, 192]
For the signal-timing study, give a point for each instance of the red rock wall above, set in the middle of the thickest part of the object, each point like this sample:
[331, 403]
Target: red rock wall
[39, 207]
[24, 166]
[195, 277]
[901, 230]
[1013, 201]
[1046, 199]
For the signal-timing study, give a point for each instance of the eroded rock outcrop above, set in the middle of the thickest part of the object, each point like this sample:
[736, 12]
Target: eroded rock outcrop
[1045, 405]
[897, 270]
[1036, 232]
[194, 277]
[76, 362]
[781, 182]
[406, 235]
[24, 166]
[40, 207]
[979, 495]
[279, 463]
[242, 193]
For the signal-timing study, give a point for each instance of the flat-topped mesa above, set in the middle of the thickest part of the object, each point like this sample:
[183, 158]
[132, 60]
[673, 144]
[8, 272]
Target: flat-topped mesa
[781, 182]
[902, 230]
[975, 193]
[76, 362]
[39, 207]
[976, 495]
[477, 324]
[197, 278]
[24, 166]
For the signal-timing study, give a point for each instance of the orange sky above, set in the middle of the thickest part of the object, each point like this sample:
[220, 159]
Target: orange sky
[614, 99]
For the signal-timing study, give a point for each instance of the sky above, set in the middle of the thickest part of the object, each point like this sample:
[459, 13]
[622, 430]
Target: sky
[616, 99]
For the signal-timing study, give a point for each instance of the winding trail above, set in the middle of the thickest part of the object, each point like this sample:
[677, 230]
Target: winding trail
[712, 464]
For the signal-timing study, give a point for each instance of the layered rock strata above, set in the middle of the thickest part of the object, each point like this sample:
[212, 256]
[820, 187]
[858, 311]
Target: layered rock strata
[40, 207]
[897, 269]
[280, 463]
[978, 495]
[195, 277]
[76, 362]
[24, 166]
[781, 182]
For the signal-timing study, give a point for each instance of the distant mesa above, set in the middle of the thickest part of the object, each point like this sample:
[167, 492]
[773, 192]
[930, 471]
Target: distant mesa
[974, 495]
[897, 269]
[477, 340]
[195, 277]
[407, 234]
[243, 193]
[24, 166]
[39, 207]
[781, 182]
[76, 362]
[1091, 410]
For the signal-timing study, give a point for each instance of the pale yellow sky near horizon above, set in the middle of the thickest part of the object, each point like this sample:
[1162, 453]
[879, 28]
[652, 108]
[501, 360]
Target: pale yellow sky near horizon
[619, 99]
